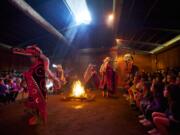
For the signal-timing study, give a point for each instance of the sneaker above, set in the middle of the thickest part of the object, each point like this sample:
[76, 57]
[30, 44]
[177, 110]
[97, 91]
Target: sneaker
[141, 116]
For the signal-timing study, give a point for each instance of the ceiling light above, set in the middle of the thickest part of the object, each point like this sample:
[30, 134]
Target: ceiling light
[79, 10]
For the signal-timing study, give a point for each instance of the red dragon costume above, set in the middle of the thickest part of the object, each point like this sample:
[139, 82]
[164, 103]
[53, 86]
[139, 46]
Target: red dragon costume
[35, 78]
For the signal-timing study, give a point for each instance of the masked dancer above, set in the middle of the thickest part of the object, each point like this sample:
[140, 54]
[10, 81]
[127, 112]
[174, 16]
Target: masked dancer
[35, 79]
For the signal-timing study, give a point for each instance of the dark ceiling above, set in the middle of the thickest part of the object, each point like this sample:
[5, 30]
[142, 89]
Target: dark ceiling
[149, 23]
[144, 24]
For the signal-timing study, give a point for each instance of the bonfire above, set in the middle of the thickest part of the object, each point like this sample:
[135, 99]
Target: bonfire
[78, 90]
[79, 93]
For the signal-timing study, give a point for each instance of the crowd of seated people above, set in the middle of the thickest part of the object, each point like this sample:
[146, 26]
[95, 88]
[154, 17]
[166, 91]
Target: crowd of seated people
[157, 96]
[11, 85]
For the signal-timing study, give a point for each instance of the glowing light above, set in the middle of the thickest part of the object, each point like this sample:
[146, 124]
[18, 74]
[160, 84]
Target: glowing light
[54, 65]
[118, 40]
[83, 18]
[49, 84]
[110, 19]
[78, 107]
[78, 90]
[79, 10]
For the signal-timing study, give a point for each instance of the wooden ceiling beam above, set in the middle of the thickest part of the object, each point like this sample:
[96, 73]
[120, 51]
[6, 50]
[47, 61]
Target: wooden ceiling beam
[30, 12]
[137, 42]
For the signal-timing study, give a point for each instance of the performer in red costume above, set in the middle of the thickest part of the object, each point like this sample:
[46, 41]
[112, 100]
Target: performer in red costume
[35, 79]
[108, 78]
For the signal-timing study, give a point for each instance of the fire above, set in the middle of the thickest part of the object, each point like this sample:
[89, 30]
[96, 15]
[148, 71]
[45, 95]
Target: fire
[78, 89]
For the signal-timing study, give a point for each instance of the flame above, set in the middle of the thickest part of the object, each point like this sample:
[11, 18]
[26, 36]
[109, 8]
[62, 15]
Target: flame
[78, 90]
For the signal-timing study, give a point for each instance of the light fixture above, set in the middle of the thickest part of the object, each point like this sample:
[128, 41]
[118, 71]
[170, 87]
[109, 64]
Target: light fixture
[110, 19]
[79, 9]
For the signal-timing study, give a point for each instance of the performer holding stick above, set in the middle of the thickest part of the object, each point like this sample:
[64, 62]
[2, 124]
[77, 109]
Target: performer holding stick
[35, 79]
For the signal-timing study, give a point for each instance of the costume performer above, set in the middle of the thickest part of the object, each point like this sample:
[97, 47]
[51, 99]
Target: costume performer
[60, 74]
[35, 79]
[126, 69]
[130, 67]
[131, 70]
[91, 79]
[108, 78]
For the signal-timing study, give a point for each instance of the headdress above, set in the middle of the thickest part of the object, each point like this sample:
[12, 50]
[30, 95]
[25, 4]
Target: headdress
[32, 50]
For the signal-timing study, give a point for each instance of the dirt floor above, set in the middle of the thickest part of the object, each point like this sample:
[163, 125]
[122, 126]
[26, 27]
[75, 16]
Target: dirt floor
[99, 117]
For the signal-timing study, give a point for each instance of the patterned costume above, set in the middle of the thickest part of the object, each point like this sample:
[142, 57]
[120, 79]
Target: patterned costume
[35, 78]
